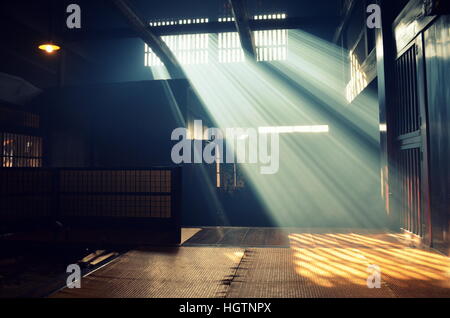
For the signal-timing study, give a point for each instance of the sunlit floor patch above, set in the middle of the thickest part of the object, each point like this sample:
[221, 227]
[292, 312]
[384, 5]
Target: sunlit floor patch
[161, 273]
[342, 260]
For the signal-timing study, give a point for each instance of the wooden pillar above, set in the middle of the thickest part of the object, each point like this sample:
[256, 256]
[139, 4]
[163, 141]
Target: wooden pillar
[385, 47]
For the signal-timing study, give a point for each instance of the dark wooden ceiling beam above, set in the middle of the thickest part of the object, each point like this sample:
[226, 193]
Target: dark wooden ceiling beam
[198, 28]
[158, 46]
[349, 6]
[12, 54]
[241, 21]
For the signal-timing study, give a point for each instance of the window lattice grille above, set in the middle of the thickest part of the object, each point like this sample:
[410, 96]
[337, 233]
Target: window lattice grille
[195, 49]
[20, 150]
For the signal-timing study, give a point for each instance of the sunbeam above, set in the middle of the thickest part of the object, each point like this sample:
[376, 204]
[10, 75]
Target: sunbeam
[329, 148]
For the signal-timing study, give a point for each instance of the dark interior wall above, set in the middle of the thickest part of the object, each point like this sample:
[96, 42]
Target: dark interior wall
[111, 125]
[437, 55]
[114, 61]
[129, 125]
[126, 125]
[20, 55]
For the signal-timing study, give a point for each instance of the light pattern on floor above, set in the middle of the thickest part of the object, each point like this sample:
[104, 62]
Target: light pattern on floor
[316, 263]
[334, 260]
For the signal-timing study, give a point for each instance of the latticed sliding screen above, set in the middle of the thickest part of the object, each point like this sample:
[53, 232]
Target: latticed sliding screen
[20, 150]
[408, 112]
[407, 128]
[60, 193]
[410, 191]
[116, 193]
[26, 193]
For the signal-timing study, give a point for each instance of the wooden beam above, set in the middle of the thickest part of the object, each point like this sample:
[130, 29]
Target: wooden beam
[158, 46]
[385, 54]
[347, 11]
[200, 28]
[242, 25]
[30, 60]
[369, 66]
[411, 21]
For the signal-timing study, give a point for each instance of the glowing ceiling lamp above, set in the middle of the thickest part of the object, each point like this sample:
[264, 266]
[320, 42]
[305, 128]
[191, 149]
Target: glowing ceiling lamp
[50, 48]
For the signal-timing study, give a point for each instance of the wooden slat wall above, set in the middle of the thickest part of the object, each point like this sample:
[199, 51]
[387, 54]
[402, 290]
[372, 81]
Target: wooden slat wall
[123, 199]
[409, 143]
